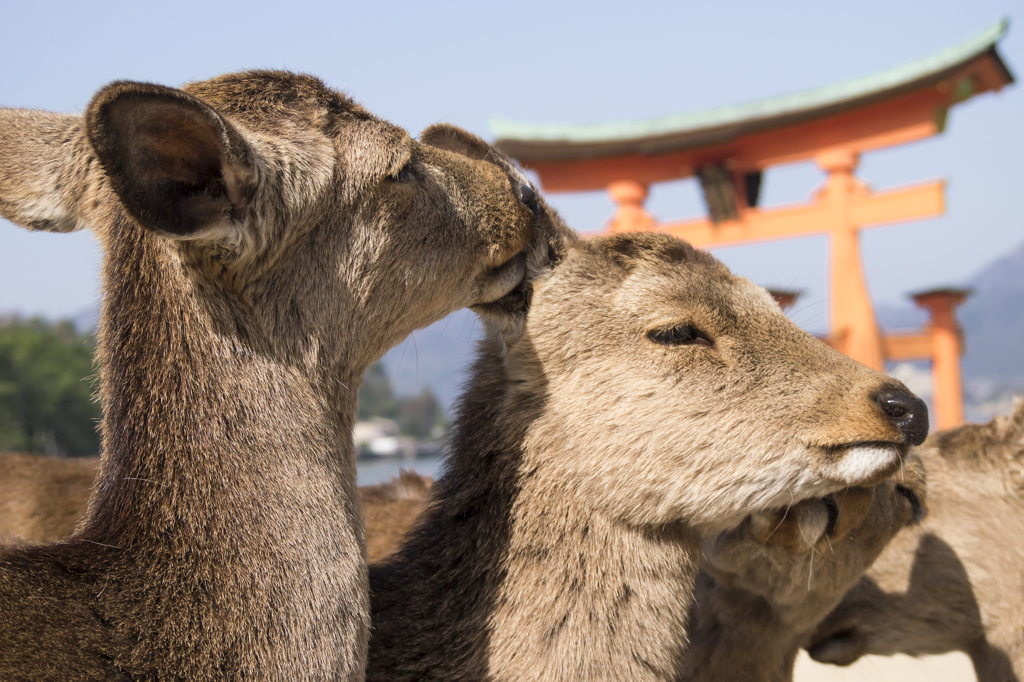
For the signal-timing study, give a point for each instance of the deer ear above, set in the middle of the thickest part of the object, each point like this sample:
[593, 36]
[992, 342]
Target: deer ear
[44, 169]
[178, 166]
[454, 139]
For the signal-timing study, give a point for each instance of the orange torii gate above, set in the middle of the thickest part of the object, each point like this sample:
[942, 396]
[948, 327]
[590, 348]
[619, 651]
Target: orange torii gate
[728, 149]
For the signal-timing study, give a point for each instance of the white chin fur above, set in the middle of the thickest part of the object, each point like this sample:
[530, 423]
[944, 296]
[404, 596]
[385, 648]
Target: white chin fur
[865, 462]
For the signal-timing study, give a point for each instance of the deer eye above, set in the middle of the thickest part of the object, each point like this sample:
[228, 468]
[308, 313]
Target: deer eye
[679, 335]
[832, 508]
[918, 510]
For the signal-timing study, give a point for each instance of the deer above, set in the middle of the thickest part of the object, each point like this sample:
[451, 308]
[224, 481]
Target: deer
[630, 398]
[956, 581]
[765, 585]
[266, 238]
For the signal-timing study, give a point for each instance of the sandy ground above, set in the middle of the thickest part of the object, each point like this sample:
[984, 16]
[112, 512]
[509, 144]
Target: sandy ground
[947, 668]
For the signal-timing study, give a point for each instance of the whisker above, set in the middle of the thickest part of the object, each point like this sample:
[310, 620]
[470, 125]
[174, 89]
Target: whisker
[416, 351]
[147, 480]
[779, 524]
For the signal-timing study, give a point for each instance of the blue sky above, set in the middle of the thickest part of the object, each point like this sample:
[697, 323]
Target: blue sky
[418, 63]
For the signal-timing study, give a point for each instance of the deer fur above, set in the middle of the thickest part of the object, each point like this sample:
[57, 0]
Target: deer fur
[765, 585]
[956, 582]
[266, 239]
[634, 398]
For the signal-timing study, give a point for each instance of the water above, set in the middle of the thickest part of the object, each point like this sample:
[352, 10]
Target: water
[373, 471]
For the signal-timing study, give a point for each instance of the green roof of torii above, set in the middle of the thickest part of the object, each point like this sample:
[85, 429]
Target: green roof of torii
[519, 139]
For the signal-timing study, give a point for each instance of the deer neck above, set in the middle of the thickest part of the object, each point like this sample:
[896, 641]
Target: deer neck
[227, 472]
[531, 583]
[586, 596]
[738, 635]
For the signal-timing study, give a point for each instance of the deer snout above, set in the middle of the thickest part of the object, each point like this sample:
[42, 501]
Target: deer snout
[907, 412]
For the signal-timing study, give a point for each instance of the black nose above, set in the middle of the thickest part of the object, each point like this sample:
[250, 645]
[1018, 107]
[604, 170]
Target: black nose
[529, 198]
[907, 412]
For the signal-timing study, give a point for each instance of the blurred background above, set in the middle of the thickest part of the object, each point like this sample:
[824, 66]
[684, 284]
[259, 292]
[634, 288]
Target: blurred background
[421, 63]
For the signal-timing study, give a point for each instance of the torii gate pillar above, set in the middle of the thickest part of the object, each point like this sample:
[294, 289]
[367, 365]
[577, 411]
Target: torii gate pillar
[854, 328]
[947, 347]
[630, 215]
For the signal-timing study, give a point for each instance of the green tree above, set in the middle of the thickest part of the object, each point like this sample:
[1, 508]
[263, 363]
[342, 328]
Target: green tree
[46, 389]
[416, 415]
[376, 397]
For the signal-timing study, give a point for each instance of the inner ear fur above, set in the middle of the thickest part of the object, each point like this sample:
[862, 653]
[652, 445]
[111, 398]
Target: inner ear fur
[177, 165]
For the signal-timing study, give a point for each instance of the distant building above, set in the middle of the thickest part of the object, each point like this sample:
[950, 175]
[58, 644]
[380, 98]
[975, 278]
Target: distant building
[379, 437]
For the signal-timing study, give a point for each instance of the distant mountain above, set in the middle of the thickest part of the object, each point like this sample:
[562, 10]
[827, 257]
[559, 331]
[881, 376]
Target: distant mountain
[86, 320]
[993, 323]
[900, 316]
